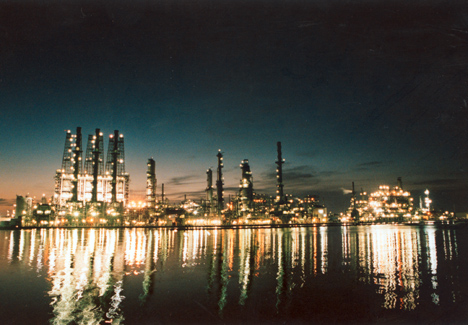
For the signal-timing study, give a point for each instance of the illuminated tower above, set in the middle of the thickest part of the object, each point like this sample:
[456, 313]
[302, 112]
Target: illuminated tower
[65, 181]
[151, 183]
[77, 164]
[77, 183]
[97, 162]
[209, 188]
[67, 153]
[115, 167]
[427, 201]
[279, 176]
[95, 142]
[246, 188]
[219, 182]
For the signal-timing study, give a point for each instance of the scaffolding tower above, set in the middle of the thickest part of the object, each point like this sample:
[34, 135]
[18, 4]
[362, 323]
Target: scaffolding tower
[115, 165]
[77, 164]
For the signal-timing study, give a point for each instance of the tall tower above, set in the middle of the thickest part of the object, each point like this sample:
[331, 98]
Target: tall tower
[354, 212]
[354, 196]
[67, 153]
[76, 182]
[77, 164]
[114, 146]
[151, 183]
[94, 161]
[219, 182]
[66, 180]
[115, 167]
[279, 175]
[94, 141]
[246, 188]
[209, 188]
[63, 177]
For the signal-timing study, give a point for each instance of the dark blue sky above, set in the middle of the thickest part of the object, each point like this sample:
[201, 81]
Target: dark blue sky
[362, 91]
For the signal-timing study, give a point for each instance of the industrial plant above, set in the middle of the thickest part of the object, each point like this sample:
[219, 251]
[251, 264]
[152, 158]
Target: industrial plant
[93, 192]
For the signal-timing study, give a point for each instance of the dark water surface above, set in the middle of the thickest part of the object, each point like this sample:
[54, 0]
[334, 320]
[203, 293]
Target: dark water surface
[379, 273]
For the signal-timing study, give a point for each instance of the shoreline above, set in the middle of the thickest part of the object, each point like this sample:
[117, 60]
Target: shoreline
[247, 226]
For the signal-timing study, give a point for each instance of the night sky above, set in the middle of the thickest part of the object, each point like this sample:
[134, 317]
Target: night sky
[363, 91]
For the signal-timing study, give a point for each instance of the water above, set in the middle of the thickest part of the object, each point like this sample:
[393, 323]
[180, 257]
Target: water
[380, 273]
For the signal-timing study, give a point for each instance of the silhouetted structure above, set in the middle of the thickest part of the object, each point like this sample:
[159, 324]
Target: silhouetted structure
[246, 189]
[209, 190]
[151, 183]
[279, 176]
[77, 164]
[219, 182]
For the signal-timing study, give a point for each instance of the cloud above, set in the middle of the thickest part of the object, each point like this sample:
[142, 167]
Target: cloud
[181, 180]
[7, 201]
[300, 180]
[368, 165]
[6, 204]
[299, 173]
[329, 173]
[440, 183]
[194, 195]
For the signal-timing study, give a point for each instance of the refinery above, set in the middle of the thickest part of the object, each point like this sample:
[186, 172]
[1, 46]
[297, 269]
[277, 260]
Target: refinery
[93, 192]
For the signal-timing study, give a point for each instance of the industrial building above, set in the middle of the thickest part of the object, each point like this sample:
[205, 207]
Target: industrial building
[386, 204]
[90, 189]
[91, 182]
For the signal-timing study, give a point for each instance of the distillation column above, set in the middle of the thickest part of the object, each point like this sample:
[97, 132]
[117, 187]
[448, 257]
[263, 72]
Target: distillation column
[354, 212]
[219, 182]
[246, 188]
[151, 184]
[162, 193]
[279, 176]
[209, 189]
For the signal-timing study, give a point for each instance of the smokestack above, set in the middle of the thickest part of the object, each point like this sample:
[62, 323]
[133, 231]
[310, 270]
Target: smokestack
[400, 183]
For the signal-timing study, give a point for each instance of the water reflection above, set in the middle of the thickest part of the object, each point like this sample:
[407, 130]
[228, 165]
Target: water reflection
[88, 269]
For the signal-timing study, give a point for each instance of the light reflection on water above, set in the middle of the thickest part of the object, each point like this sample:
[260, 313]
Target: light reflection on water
[111, 275]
